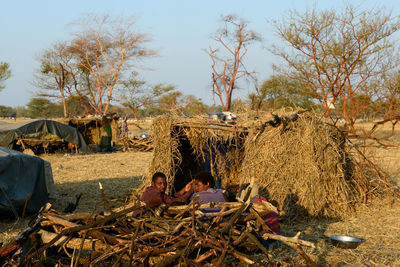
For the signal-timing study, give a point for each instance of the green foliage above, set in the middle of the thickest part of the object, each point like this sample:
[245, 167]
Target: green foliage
[42, 107]
[170, 102]
[137, 95]
[176, 102]
[5, 73]
[193, 106]
[280, 91]
[21, 111]
[7, 111]
[74, 106]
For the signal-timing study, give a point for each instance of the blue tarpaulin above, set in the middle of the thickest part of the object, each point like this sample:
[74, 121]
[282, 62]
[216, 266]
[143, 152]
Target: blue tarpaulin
[22, 177]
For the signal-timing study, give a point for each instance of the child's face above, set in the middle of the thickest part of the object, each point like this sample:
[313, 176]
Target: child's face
[198, 186]
[160, 184]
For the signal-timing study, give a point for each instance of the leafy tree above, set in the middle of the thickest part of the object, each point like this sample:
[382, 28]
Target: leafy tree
[42, 107]
[74, 106]
[336, 53]
[280, 91]
[21, 112]
[227, 65]
[5, 73]
[7, 112]
[192, 106]
[136, 94]
[179, 103]
[170, 102]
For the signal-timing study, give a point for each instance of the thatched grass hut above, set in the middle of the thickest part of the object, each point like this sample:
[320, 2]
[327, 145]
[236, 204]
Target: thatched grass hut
[299, 162]
[91, 128]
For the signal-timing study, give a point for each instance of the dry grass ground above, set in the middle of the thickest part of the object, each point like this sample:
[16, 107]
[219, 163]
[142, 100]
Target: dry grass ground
[118, 172]
[377, 223]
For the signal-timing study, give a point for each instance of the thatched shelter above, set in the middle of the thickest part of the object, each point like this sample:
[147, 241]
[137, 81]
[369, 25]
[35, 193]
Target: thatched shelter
[299, 162]
[91, 128]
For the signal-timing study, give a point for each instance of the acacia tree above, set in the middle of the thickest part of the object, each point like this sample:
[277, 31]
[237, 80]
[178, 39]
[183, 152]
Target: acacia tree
[177, 102]
[104, 49]
[227, 65]
[280, 91]
[337, 53]
[5, 73]
[136, 94]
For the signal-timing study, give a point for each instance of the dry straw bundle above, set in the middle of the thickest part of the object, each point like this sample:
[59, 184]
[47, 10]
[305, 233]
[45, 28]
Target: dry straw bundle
[303, 165]
[166, 154]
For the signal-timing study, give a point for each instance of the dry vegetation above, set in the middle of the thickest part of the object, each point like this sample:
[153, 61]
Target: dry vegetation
[377, 222]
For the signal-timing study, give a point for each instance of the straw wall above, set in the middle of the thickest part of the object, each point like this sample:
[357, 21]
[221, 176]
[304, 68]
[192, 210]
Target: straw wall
[302, 166]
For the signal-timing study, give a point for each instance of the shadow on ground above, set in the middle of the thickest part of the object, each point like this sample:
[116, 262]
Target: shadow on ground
[116, 190]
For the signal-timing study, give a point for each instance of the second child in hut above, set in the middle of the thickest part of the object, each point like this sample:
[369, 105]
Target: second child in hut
[203, 187]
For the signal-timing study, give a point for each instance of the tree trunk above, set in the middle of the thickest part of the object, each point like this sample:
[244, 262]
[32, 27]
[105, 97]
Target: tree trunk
[64, 105]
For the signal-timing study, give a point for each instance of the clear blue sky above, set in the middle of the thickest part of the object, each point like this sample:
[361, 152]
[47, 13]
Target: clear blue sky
[179, 29]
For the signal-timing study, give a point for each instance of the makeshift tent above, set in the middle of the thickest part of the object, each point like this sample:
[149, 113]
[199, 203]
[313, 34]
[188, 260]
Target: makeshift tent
[23, 180]
[300, 163]
[92, 129]
[10, 133]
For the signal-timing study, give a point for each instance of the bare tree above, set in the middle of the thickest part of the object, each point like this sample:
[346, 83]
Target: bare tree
[54, 76]
[104, 49]
[5, 73]
[228, 60]
[337, 53]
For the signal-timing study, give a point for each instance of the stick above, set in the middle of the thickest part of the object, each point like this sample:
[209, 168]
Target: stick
[79, 228]
[234, 217]
[25, 206]
[106, 203]
[241, 257]
[94, 233]
[262, 208]
[74, 243]
[80, 249]
[205, 256]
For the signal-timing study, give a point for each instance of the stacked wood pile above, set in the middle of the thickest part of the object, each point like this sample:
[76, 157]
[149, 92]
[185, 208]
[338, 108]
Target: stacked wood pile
[137, 144]
[167, 236]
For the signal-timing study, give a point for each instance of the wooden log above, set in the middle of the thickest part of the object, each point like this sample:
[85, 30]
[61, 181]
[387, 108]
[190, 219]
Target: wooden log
[242, 257]
[262, 208]
[234, 217]
[205, 256]
[93, 233]
[81, 216]
[73, 243]
[286, 240]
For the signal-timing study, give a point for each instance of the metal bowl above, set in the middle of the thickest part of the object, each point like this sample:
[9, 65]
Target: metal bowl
[344, 241]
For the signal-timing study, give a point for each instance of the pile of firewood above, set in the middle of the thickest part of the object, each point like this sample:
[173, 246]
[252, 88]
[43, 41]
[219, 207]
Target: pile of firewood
[137, 144]
[190, 235]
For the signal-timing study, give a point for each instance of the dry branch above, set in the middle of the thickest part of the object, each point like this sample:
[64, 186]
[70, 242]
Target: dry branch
[159, 240]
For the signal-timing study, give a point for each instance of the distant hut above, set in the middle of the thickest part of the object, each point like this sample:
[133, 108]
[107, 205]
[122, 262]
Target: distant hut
[92, 130]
